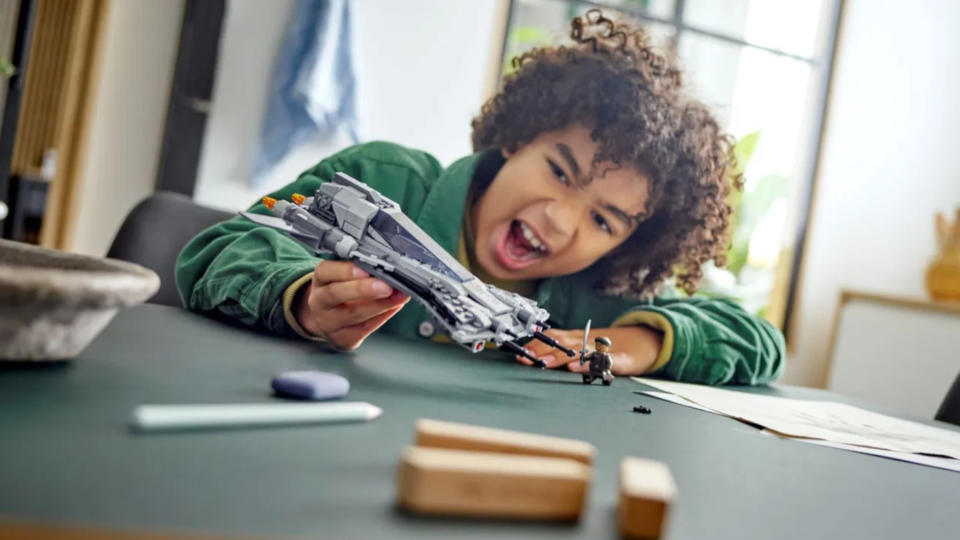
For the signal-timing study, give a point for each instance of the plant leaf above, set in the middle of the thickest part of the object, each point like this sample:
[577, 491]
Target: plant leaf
[6, 68]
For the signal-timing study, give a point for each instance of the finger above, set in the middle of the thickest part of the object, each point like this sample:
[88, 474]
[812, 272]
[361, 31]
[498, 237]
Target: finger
[333, 271]
[538, 349]
[370, 326]
[545, 354]
[553, 360]
[350, 337]
[571, 339]
[556, 333]
[541, 349]
[574, 342]
[575, 367]
[353, 313]
[339, 292]
[523, 360]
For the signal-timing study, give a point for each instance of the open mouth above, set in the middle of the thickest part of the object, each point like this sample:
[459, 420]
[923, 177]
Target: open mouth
[520, 246]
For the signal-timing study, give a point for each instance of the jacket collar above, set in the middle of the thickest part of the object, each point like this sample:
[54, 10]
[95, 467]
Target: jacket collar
[442, 212]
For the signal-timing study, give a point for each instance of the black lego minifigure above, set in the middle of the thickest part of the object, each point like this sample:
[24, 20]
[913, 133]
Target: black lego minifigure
[600, 362]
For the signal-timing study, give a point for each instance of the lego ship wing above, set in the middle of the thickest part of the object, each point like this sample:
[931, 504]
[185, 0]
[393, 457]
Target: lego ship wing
[269, 221]
[279, 224]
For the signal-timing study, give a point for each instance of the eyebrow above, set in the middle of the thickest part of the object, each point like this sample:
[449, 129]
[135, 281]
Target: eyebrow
[627, 219]
[568, 155]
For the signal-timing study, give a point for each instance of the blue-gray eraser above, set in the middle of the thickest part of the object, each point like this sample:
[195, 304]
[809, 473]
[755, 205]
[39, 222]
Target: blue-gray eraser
[314, 385]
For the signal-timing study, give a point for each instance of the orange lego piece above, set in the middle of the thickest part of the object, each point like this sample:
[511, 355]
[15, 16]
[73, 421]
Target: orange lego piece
[268, 202]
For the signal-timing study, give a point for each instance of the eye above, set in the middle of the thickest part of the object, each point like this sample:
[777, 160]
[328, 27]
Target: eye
[558, 173]
[601, 222]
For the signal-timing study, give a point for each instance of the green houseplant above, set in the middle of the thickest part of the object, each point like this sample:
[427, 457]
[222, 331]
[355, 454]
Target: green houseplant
[6, 68]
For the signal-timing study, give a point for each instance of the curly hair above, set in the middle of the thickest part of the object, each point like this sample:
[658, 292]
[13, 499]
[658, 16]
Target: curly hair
[631, 97]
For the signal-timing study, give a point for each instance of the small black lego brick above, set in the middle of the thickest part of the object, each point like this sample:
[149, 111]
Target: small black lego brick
[641, 409]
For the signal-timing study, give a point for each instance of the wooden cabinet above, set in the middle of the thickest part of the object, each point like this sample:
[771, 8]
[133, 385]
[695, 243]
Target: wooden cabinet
[897, 352]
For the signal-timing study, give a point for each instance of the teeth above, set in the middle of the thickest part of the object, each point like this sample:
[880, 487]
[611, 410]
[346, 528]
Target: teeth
[532, 238]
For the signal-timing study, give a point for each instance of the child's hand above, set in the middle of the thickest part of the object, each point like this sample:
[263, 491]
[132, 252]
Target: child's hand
[344, 305]
[634, 350]
[571, 339]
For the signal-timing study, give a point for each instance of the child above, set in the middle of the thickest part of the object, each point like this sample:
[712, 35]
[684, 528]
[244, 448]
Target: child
[595, 179]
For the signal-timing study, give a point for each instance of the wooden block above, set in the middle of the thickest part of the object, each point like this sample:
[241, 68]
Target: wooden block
[438, 434]
[482, 484]
[11, 530]
[646, 490]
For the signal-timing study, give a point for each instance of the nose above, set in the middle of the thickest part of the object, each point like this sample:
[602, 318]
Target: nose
[563, 216]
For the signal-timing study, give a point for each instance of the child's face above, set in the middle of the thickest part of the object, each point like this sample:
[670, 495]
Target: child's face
[535, 221]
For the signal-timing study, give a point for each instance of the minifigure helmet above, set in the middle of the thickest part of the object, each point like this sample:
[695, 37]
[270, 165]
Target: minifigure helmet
[602, 340]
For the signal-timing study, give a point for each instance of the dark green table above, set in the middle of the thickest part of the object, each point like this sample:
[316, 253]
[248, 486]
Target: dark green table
[67, 455]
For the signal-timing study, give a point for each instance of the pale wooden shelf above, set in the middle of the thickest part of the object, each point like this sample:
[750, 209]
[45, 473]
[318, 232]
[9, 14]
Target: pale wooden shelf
[914, 302]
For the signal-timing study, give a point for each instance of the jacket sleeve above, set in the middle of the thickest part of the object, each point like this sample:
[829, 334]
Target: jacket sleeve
[711, 341]
[249, 273]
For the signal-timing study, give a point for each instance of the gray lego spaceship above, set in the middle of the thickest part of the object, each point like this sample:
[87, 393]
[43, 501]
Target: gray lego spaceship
[352, 221]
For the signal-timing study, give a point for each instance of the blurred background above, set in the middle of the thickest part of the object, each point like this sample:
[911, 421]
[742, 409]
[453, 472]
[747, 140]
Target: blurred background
[845, 114]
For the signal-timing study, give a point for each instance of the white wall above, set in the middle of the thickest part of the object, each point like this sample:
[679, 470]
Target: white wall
[423, 68]
[890, 161]
[140, 47]
[252, 31]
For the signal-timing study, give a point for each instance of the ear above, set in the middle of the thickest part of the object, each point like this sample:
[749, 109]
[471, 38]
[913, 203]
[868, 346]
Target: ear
[505, 153]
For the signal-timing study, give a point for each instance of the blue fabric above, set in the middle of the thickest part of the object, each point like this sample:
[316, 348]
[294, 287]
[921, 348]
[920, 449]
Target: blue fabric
[314, 84]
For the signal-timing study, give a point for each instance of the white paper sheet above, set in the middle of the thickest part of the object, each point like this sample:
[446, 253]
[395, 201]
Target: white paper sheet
[940, 463]
[920, 459]
[826, 420]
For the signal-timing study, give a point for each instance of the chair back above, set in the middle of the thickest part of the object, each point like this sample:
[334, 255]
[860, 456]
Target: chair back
[155, 231]
[950, 408]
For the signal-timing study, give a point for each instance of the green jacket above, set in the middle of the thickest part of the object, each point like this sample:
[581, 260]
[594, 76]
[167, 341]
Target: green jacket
[251, 273]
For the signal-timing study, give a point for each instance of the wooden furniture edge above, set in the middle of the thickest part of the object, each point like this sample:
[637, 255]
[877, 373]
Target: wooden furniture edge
[848, 295]
[501, 19]
[937, 306]
[25, 530]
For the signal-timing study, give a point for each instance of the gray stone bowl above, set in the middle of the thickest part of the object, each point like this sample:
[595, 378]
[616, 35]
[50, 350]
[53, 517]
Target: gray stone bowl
[52, 303]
